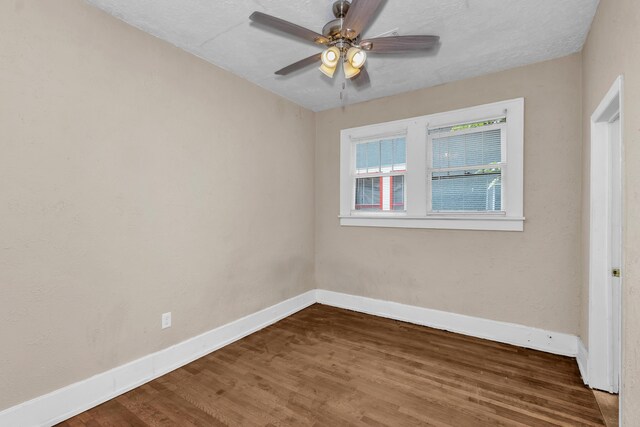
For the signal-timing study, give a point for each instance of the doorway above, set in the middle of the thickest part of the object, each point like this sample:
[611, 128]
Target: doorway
[605, 243]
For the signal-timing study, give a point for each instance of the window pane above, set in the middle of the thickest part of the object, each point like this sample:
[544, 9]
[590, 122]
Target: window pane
[368, 194]
[373, 157]
[380, 194]
[467, 190]
[400, 154]
[385, 156]
[471, 149]
[397, 202]
[361, 158]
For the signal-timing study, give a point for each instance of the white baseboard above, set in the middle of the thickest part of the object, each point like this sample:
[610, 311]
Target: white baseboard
[66, 402]
[509, 333]
[582, 358]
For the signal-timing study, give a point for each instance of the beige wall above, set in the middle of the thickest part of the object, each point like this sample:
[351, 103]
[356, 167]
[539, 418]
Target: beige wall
[531, 277]
[612, 49]
[135, 179]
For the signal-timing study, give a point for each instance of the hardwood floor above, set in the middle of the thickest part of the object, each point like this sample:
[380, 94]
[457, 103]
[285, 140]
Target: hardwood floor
[608, 404]
[332, 367]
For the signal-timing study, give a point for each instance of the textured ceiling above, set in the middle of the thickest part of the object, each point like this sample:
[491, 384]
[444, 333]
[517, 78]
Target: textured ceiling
[477, 37]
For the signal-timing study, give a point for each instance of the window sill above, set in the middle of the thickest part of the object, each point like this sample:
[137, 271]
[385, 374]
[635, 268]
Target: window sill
[492, 223]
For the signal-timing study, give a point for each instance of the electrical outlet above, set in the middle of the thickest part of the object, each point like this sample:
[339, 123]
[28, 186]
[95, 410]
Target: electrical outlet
[166, 320]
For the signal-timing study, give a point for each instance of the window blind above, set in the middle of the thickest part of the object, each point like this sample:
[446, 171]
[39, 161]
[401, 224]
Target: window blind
[382, 156]
[466, 171]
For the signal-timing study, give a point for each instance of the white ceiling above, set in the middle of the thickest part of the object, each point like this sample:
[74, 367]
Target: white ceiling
[477, 37]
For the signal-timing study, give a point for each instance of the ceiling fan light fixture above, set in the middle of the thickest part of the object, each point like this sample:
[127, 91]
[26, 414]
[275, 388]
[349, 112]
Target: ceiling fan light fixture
[356, 57]
[330, 59]
[327, 71]
[350, 71]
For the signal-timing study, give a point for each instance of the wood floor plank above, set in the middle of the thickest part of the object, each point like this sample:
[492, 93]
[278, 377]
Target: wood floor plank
[609, 406]
[325, 366]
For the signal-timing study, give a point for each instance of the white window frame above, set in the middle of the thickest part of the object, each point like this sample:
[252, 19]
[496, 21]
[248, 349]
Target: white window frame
[417, 212]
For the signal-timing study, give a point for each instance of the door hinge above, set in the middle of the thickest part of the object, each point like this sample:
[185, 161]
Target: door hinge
[616, 272]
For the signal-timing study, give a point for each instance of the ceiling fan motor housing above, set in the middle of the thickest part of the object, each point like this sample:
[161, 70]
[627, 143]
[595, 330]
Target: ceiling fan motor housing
[334, 28]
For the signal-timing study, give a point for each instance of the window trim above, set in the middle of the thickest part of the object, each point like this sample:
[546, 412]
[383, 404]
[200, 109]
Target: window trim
[417, 212]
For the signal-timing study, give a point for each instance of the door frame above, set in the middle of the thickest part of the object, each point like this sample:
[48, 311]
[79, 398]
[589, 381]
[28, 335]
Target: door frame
[601, 340]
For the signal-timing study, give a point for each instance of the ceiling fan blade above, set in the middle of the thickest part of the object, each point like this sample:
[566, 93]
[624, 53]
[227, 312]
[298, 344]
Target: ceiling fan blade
[362, 79]
[288, 27]
[299, 65]
[359, 17]
[399, 44]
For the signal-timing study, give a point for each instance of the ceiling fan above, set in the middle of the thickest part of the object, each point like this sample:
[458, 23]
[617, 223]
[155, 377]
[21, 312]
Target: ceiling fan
[342, 39]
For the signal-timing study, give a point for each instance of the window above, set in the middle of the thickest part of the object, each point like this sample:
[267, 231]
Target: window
[380, 169]
[457, 170]
[466, 167]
